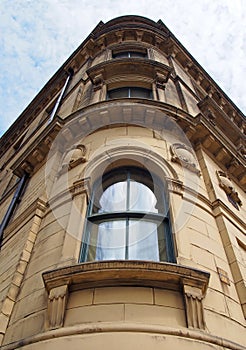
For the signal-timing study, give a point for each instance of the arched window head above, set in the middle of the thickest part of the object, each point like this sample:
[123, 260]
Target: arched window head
[128, 219]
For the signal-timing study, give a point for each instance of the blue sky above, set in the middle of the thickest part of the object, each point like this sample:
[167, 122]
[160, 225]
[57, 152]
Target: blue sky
[37, 36]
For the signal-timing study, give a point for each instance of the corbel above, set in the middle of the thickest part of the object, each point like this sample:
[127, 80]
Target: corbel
[57, 301]
[193, 297]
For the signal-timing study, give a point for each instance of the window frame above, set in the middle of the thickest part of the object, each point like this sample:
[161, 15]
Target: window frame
[130, 53]
[162, 218]
[129, 90]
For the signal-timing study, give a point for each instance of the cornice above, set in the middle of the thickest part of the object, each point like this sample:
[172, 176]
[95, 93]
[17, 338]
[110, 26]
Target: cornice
[143, 67]
[127, 272]
[37, 150]
[145, 31]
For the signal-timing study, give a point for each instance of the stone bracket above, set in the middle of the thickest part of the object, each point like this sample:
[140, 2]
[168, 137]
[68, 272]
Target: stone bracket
[193, 297]
[57, 302]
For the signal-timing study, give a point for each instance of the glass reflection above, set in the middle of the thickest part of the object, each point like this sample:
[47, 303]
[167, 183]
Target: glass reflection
[117, 230]
[114, 198]
[141, 198]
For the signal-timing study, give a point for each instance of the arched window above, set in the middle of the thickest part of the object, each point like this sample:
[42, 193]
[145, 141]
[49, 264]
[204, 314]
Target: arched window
[128, 219]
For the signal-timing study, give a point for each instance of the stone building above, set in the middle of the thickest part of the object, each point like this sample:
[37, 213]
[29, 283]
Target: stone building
[122, 203]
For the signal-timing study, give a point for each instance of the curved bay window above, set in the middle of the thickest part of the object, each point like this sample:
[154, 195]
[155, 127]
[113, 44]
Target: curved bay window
[128, 219]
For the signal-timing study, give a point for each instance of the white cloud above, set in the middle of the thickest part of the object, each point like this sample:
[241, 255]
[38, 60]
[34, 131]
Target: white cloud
[38, 36]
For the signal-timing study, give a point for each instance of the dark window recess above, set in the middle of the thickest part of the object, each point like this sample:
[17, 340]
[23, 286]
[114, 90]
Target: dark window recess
[129, 54]
[129, 92]
[128, 219]
[12, 182]
[13, 204]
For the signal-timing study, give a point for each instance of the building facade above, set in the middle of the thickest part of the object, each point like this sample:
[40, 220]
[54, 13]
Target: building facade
[122, 202]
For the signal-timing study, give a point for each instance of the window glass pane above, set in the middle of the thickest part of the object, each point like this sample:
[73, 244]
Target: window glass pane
[114, 228]
[143, 240]
[133, 54]
[137, 54]
[118, 93]
[141, 198]
[120, 54]
[140, 92]
[107, 241]
[113, 198]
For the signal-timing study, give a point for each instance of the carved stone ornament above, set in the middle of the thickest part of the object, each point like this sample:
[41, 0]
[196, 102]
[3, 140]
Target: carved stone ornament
[184, 155]
[194, 307]
[57, 306]
[98, 82]
[226, 184]
[73, 157]
[160, 81]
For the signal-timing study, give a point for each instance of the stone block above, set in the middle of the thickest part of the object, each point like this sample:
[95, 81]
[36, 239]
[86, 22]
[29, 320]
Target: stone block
[95, 313]
[168, 298]
[161, 315]
[80, 298]
[235, 310]
[215, 301]
[7, 306]
[110, 295]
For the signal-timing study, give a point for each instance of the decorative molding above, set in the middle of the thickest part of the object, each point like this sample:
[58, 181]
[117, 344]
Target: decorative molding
[56, 309]
[125, 67]
[127, 272]
[98, 82]
[194, 307]
[175, 186]
[97, 328]
[38, 149]
[184, 155]
[73, 157]
[135, 273]
[226, 184]
[81, 186]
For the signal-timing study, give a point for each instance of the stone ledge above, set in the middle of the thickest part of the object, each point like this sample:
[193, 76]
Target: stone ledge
[99, 328]
[192, 282]
[135, 273]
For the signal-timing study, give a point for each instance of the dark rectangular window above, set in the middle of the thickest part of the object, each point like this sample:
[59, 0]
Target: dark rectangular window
[130, 92]
[129, 54]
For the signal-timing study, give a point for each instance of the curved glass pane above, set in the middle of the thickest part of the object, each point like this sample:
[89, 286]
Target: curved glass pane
[141, 198]
[107, 241]
[143, 240]
[119, 227]
[114, 198]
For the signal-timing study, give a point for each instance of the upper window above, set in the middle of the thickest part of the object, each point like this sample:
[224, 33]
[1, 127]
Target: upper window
[129, 54]
[128, 219]
[130, 92]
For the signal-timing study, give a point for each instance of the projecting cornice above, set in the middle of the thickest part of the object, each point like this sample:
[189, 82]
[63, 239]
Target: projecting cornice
[38, 150]
[144, 68]
[125, 29]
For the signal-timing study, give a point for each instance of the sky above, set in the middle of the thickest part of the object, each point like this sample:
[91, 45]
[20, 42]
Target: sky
[37, 36]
